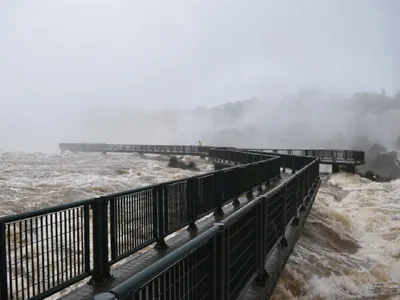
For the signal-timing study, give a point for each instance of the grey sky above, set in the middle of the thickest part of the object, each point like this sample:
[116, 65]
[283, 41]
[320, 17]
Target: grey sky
[60, 57]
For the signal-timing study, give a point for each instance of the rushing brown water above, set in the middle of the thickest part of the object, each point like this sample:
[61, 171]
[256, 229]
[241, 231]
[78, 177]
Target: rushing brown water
[350, 247]
[31, 181]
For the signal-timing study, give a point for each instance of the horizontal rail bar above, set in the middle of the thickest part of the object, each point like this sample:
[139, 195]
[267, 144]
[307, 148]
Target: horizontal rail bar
[166, 262]
[231, 239]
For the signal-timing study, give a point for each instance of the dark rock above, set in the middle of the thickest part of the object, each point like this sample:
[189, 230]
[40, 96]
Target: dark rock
[182, 165]
[192, 165]
[385, 165]
[380, 165]
[370, 175]
[122, 171]
[173, 162]
[375, 177]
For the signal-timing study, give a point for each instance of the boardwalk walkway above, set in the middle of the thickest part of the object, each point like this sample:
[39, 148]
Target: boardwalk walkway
[242, 237]
[143, 259]
[327, 156]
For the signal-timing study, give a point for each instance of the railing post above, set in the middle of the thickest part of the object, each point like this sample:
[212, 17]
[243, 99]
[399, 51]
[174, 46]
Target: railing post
[259, 177]
[113, 230]
[217, 195]
[215, 261]
[296, 220]
[310, 182]
[155, 212]
[250, 182]
[283, 242]
[101, 267]
[223, 262]
[162, 216]
[260, 248]
[302, 208]
[306, 187]
[278, 168]
[293, 164]
[235, 201]
[192, 195]
[3, 262]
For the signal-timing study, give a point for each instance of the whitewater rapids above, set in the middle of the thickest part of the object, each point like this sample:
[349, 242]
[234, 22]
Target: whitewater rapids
[350, 247]
[37, 180]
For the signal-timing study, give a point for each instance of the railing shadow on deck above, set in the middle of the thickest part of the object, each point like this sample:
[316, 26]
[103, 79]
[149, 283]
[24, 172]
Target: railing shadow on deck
[45, 251]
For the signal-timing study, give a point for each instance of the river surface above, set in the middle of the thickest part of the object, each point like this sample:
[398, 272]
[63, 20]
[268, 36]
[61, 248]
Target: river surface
[349, 249]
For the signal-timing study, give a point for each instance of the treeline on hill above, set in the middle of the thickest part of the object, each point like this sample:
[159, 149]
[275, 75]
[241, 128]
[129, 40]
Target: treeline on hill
[304, 120]
[364, 121]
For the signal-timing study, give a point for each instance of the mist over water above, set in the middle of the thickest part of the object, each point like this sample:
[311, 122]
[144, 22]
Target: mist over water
[349, 249]
[32, 181]
[314, 74]
[131, 72]
[350, 246]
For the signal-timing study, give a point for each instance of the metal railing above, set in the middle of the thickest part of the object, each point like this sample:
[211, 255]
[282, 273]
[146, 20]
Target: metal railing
[219, 263]
[45, 251]
[358, 157]
[355, 156]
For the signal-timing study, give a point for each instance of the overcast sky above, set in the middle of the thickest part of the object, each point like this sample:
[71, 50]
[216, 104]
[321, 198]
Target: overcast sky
[60, 57]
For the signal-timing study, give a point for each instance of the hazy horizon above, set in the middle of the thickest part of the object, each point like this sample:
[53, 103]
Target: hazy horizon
[81, 70]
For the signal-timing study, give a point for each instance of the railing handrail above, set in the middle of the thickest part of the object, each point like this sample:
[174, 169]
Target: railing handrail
[357, 156]
[164, 263]
[64, 206]
[133, 284]
[46, 210]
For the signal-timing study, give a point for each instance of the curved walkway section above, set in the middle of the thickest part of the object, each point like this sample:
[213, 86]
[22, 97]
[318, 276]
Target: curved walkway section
[327, 156]
[242, 224]
[45, 251]
[250, 247]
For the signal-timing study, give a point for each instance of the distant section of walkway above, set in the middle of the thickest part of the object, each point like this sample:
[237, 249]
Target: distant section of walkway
[327, 156]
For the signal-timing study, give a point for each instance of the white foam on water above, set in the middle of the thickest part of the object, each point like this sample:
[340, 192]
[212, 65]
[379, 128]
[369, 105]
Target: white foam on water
[31, 181]
[350, 247]
[354, 234]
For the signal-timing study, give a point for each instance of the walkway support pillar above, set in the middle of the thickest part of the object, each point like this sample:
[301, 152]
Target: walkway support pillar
[350, 169]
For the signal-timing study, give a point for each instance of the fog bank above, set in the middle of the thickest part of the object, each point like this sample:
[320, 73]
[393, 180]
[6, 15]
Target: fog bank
[107, 72]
